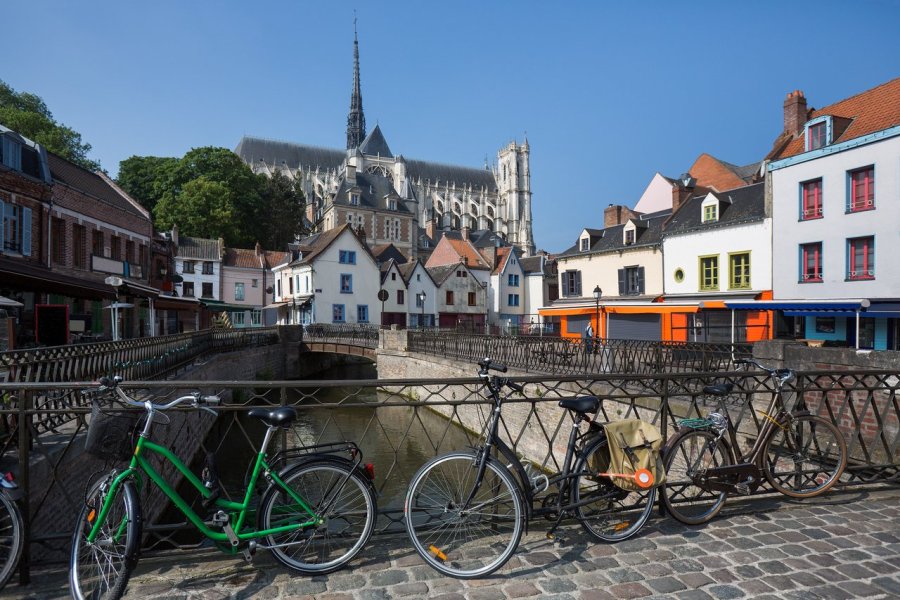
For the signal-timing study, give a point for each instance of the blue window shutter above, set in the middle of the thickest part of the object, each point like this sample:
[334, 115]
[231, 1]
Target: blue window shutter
[621, 273]
[26, 231]
[2, 228]
[641, 280]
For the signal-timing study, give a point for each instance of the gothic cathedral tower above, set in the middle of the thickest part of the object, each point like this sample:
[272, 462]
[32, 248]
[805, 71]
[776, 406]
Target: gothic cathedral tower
[356, 120]
[514, 185]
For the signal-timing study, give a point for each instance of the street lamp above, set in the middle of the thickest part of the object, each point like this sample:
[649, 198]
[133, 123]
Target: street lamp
[597, 293]
[422, 318]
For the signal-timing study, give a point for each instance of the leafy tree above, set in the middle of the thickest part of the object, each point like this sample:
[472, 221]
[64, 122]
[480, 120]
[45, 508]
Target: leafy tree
[204, 208]
[280, 211]
[28, 115]
[142, 177]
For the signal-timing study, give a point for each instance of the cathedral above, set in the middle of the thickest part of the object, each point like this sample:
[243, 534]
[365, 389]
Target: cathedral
[392, 199]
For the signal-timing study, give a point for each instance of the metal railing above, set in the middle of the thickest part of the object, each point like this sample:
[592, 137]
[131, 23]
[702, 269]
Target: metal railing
[399, 424]
[361, 334]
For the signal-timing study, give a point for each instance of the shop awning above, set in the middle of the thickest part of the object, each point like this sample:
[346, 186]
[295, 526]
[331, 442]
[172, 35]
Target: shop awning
[806, 308]
[883, 310]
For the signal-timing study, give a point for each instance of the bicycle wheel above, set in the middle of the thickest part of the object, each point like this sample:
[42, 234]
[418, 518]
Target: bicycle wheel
[100, 570]
[11, 537]
[614, 514]
[804, 456]
[689, 454]
[340, 497]
[463, 540]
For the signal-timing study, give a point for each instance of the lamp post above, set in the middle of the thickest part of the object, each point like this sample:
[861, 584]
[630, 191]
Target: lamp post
[422, 318]
[597, 293]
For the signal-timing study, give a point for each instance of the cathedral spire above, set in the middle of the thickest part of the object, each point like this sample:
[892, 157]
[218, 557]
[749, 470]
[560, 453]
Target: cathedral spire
[356, 120]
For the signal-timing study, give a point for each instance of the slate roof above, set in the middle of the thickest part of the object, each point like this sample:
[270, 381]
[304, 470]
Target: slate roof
[198, 248]
[315, 244]
[747, 204]
[386, 252]
[440, 274]
[648, 233]
[485, 238]
[870, 111]
[534, 264]
[375, 144]
[274, 152]
[90, 183]
[374, 191]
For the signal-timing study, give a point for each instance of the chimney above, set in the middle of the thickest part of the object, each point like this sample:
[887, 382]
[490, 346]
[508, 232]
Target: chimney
[616, 214]
[430, 229]
[465, 232]
[258, 249]
[794, 112]
[682, 190]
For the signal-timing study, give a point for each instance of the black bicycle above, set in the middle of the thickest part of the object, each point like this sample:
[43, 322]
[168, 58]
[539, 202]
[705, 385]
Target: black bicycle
[465, 511]
[800, 454]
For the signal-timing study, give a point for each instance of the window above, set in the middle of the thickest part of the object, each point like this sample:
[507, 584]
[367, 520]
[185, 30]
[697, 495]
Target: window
[142, 254]
[418, 277]
[585, 244]
[512, 300]
[237, 318]
[472, 301]
[679, 275]
[239, 291]
[254, 283]
[256, 317]
[58, 241]
[187, 289]
[354, 199]
[115, 247]
[393, 277]
[207, 290]
[862, 190]
[513, 281]
[347, 257]
[400, 297]
[187, 266]
[571, 283]
[97, 243]
[710, 213]
[420, 301]
[207, 268]
[739, 271]
[462, 273]
[346, 283]
[129, 252]
[861, 258]
[362, 313]
[392, 204]
[816, 136]
[631, 281]
[811, 200]
[16, 233]
[337, 313]
[709, 272]
[811, 263]
[79, 239]
[449, 298]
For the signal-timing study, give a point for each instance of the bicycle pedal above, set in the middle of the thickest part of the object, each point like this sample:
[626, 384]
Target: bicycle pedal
[742, 489]
[249, 552]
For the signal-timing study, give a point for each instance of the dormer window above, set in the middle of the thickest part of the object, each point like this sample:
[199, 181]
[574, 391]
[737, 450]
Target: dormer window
[392, 204]
[585, 244]
[354, 199]
[629, 237]
[818, 133]
[711, 213]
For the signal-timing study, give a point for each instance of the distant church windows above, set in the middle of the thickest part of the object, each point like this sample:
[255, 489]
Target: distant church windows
[490, 211]
[504, 173]
[440, 206]
[474, 210]
[382, 171]
[456, 208]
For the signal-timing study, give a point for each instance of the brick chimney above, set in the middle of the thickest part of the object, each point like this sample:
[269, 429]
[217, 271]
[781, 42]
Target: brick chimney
[682, 190]
[430, 229]
[794, 112]
[616, 214]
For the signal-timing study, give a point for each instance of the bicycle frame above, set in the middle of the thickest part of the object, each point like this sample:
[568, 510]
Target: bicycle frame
[140, 464]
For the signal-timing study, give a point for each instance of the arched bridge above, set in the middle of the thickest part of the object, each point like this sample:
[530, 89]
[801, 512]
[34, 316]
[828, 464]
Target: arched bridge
[341, 339]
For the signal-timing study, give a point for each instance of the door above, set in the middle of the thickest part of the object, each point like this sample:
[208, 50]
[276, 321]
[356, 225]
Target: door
[634, 327]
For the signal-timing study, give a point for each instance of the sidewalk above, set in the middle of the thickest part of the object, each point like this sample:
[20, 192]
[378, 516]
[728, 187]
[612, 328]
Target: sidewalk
[844, 545]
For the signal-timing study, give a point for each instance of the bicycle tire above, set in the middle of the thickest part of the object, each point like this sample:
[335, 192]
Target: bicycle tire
[12, 537]
[683, 499]
[100, 571]
[807, 463]
[348, 517]
[617, 514]
[463, 544]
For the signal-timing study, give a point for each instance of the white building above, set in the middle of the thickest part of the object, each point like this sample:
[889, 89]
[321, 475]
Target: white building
[199, 262]
[836, 209]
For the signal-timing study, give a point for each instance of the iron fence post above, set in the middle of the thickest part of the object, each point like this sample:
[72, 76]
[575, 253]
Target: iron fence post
[25, 407]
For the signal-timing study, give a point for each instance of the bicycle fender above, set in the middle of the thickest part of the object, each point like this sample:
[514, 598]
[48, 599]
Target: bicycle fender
[284, 471]
[13, 493]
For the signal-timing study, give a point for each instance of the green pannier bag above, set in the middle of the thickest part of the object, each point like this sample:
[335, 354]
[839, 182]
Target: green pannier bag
[634, 448]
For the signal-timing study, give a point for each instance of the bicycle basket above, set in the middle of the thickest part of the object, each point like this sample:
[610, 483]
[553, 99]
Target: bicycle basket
[111, 431]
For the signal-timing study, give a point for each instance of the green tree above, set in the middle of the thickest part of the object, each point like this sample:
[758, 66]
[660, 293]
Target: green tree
[143, 177]
[28, 115]
[280, 211]
[204, 208]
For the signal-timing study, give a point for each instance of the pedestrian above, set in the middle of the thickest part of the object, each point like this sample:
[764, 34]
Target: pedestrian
[588, 336]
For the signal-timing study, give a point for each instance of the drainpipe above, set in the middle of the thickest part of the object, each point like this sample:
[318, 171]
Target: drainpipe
[49, 233]
[857, 329]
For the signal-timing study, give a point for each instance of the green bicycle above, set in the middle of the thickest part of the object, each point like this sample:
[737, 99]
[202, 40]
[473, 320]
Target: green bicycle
[316, 514]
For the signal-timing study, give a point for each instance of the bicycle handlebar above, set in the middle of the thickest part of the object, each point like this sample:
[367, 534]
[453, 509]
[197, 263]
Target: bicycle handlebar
[195, 398]
[782, 376]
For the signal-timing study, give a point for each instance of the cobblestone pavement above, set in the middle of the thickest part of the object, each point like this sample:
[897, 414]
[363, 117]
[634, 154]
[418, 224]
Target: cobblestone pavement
[845, 545]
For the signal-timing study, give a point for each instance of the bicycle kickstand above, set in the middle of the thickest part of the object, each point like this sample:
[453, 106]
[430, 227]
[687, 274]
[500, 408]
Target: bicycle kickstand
[551, 533]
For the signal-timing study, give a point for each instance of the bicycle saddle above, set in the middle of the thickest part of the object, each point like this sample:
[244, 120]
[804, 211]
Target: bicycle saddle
[278, 417]
[583, 404]
[719, 389]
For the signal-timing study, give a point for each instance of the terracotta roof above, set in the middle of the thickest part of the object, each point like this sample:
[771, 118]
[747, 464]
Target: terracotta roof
[241, 258]
[466, 251]
[870, 111]
[711, 172]
[274, 258]
[502, 257]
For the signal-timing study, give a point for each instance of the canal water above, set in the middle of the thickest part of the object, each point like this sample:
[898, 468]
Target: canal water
[397, 440]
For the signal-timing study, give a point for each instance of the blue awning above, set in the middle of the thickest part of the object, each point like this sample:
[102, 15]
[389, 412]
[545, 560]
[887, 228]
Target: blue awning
[803, 307]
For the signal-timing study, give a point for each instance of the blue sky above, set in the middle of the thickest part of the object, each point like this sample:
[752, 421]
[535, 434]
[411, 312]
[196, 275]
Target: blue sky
[609, 93]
